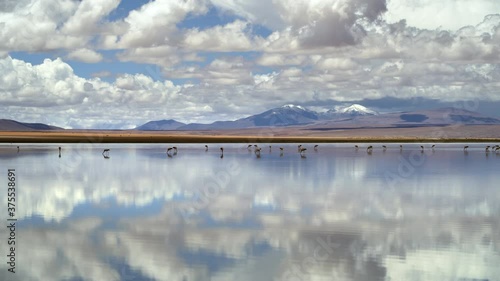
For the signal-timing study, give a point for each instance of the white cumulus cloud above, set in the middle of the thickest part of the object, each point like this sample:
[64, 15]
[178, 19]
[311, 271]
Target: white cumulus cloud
[85, 55]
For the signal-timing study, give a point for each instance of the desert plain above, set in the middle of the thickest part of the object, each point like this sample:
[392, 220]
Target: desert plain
[453, 133]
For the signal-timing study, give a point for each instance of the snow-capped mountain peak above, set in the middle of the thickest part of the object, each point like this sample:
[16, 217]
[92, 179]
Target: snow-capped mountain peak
[356, 109]
[350, 111]
[292, 106]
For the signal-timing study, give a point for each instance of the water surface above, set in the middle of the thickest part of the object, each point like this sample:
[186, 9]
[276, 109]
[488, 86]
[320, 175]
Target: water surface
[336, 213]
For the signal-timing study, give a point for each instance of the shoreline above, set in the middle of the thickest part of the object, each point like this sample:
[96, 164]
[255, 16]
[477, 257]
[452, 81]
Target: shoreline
[214, 137]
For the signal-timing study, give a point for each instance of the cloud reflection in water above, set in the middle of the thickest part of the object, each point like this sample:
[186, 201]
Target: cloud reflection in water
[331, 216]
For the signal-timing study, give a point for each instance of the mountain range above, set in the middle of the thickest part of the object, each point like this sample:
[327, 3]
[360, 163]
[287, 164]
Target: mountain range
[287, 115]
[340, 117]
[352, 116]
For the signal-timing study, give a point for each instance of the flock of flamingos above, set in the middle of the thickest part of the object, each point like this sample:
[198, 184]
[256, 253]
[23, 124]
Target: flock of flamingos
[172, 151]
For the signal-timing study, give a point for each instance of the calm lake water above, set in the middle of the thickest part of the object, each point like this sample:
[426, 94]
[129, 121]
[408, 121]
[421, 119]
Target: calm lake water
[335, 214]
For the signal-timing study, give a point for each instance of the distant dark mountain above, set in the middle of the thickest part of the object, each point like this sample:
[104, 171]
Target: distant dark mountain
[286, 115]
[11, 125]
[420, 118]
[448, 115]
[160, 125]
[468, 117]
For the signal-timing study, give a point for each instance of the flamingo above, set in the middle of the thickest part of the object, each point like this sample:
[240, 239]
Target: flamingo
[105, 153]
[168, 150]
[487, 148]
[18, 148]
[206, 148]
[433, 146]
[302, 151]
[257, 152]
[222, 152]
[175, 150]
[465, 147]
[281, 151]
[299, 146]
[59, 152]
[269, 148]
[422, 148]
[496, 148]
[316, 148]
[369, 150]
[384, 147]
[356, 147]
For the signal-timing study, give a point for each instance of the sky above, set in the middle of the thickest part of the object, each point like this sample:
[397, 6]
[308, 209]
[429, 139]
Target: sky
[111, 64]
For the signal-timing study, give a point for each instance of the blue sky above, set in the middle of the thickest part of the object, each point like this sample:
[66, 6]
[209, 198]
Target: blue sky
[118, 64]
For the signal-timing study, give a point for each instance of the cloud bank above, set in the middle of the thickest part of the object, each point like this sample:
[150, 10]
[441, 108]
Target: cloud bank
[313, 52]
